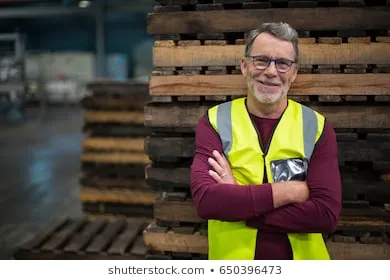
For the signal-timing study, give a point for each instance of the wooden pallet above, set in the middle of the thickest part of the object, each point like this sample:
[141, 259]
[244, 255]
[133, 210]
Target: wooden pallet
[113, 159]
[193, 240]
[178, 208]
[344, 70]
[241, 20]
[87, 239]
[200, 5]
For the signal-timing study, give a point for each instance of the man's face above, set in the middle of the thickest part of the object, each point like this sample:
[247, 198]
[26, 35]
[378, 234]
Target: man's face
[269, 86]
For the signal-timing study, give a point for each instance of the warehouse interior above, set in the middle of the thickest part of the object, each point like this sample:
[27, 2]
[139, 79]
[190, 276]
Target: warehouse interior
[99, 104]
[50, 50]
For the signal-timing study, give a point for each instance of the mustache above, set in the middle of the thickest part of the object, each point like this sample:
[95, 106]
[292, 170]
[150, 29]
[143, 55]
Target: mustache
[266, 81]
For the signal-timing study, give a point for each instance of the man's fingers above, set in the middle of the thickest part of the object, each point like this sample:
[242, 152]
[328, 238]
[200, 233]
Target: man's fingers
[216, 166]
[220, 159]
[215, 176]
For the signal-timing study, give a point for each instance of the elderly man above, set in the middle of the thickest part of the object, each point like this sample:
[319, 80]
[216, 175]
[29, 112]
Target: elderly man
[265, 171]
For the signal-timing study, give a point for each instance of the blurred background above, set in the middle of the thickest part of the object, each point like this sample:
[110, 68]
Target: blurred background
[49, 51]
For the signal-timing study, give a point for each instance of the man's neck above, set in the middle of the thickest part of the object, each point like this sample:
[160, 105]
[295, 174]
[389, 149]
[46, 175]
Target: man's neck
[269, 111]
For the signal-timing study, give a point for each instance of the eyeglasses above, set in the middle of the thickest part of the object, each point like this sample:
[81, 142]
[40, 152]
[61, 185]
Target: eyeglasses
[262, 62]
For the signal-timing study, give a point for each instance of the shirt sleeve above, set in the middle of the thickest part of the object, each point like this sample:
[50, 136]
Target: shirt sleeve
[321, 211]
[224, 202]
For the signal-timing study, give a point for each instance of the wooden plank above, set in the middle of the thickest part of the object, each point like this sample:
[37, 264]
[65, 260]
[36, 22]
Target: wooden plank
[116, 130]
[101, 241]
[44, 235]
[139, 249]
[305, 84]
[166, 178]
[176, 211]
[118, 209]
[340, 116]
[127, 238]
[355, 183]
[113, 117]
[198, 244]
[323, 53]
[115, 157]
[175, 242]
[185, 212]
[171, 148]
[99, 181]
[108, 103]
[358, 251]
[62, 236]
[113, 170]
[79, 241]
[107, 86]
[124, 196]
[158, 148]
[114, 143]
[243, 20]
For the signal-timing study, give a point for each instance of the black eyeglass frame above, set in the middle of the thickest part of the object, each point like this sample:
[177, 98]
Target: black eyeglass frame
[269, 62]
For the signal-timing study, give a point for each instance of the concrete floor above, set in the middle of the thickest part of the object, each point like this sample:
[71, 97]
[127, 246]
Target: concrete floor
[39, 170]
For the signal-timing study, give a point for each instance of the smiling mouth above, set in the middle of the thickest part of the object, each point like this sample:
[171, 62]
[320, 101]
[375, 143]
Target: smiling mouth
[269, 84]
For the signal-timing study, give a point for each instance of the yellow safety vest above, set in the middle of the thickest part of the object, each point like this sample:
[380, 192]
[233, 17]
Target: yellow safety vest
[295, 136]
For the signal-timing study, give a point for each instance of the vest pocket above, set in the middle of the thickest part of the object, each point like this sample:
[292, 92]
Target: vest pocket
[291, 169]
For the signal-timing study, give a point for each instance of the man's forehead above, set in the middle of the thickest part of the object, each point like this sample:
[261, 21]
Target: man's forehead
[265, 41]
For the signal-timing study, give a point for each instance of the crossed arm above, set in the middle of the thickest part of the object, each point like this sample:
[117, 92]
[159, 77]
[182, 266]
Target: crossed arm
[311, 206]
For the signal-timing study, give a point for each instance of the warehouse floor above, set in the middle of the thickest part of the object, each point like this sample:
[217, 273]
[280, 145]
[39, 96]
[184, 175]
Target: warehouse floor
[39, 169]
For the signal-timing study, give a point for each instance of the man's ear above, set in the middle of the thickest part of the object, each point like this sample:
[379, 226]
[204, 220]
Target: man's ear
[243, 66]
[295, 73]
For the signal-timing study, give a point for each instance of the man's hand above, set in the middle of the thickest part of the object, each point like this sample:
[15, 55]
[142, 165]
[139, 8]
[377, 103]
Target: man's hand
[289, 192]
[221, 169]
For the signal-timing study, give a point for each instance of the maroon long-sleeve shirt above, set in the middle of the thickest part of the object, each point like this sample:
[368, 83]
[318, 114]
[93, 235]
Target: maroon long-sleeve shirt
[254, 204]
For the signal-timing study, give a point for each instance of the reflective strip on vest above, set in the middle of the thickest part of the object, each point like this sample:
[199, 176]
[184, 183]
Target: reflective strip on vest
[310, 127]
[224, 122]
[309, 120]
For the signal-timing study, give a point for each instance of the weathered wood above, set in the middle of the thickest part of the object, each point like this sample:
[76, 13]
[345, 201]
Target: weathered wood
[108, 103]
[108, 170]
[176, 211]
[176, 148]
[125, 196]
[106, 236]
[118, 209]
[175, 242]
[43, 235]
[115, 157]
[305, 84]
[197, 244]
[170, 211]
[109, 87]
[114, 143]
[114, 117]
[243, 20]
[187, 116]
[60, 237]
[166, 178]
[116, 129]
[322, 53]
[158, 148]
[79, 241]
[127, 238]
[354, 183]
[100, 181]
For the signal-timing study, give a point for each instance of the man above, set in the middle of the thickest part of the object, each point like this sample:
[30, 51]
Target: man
[265, 171]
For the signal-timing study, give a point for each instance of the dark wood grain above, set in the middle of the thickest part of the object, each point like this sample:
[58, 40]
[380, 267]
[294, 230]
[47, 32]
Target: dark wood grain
[243, 20]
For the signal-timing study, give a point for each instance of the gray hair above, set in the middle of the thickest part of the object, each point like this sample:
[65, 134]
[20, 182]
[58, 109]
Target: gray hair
[280, 30]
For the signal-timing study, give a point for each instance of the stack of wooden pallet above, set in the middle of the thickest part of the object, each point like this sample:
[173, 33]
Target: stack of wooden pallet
[344, 74]
[87, 239]
[113, 160]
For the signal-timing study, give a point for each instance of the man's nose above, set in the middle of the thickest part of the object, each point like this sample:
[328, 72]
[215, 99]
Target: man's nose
[271, 70]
